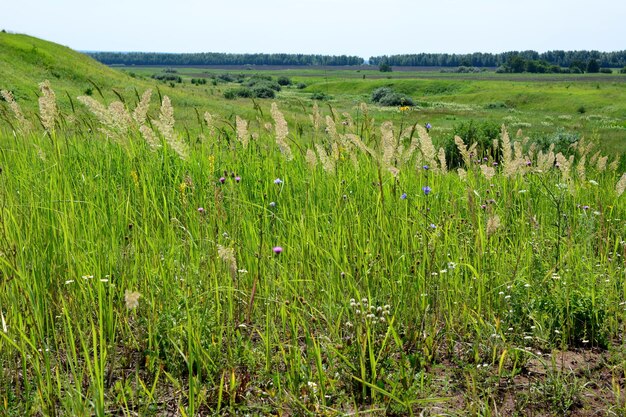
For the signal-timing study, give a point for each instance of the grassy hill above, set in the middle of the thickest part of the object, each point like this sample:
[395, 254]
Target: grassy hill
[545, 107]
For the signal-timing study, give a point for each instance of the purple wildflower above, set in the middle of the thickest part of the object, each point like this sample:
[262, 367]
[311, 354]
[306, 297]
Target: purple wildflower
[278, 181]
[426, 190]
[585, 207]
[403, 196]
[433, 226]
[277, 250]
[425, 167]
[200, 210]
[222, 180]
[237, 178]
[272, 204]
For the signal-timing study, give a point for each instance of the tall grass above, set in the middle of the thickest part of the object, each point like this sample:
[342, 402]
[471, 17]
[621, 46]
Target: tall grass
[144, 280]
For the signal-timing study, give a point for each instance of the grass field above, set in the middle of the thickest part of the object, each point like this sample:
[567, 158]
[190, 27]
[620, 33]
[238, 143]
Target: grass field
[290, 259]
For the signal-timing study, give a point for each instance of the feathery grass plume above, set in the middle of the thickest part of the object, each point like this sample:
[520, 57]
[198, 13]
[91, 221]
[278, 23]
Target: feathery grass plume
[327, 162]
[316, 118]
[228, 256]
[347, 121]
[545, 162]
[165, 125]
[564, 166]
[429, 153]
[387, 144]
[150, 137]
[580, 167]
[24, 125]
[594, 158]
[615, 164]
[47, 106]
[104, 116]
[210, 122]
[121, 119]
[331, 129]
[488, 172]
[620, 187]
[115, 119]
[442, 160]
[131, 298]
[281, 132]
[242, 131]
[463, 150]
[493, 224]
[601, 165]
[462, 174]
[356, 141]
[311, 159]
[507, 154]
[141, 111]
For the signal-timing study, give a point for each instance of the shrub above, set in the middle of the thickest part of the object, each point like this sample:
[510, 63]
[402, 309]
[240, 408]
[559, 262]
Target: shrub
[263, 91]
[386, 96]
[606, 71]
[623, 70]
[301, 86]
[282, 80]
[320, 96]
[561, 139]
[380, 92]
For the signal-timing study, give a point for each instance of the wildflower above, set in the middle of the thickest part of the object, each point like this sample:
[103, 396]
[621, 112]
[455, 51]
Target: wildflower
[403, 196]
[277, 250]
[278, 181]
[428, 126]
[433, 226]
[222, 180]
[200, 210]
[585, 208]
[425, 167]
[132, 299]
[426, 190]
[272, 204]
[238, 179]
[593, 182]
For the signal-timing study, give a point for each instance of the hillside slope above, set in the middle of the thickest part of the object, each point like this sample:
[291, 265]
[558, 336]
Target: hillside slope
[25, 61]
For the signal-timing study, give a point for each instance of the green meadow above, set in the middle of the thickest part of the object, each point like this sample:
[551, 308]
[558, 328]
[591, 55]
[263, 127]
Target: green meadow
[166, 251]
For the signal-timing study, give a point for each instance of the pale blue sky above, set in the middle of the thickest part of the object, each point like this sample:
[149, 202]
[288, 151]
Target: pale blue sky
[351, 27]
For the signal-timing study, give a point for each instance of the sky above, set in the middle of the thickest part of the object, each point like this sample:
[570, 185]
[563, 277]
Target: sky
[334, 27]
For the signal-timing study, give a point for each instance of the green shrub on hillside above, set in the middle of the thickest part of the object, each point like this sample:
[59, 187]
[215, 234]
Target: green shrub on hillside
[386, 96]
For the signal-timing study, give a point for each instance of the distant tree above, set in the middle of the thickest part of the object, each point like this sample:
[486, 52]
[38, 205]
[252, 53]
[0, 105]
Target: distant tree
[623, 70]
[593, 67]
[384, 67]
[577, 67]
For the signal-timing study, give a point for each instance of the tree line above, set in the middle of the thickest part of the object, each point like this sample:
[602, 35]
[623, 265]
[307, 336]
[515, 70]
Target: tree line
[216, 58]
[479, 59]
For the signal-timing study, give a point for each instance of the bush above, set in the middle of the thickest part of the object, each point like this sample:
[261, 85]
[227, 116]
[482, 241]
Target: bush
[320, 96]
[386, 96]
[380, 93]
[606, 71]
[396, 99]
[282, 80]
[561, 139]
[301, 86]
[263, 91]
[623, 70]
